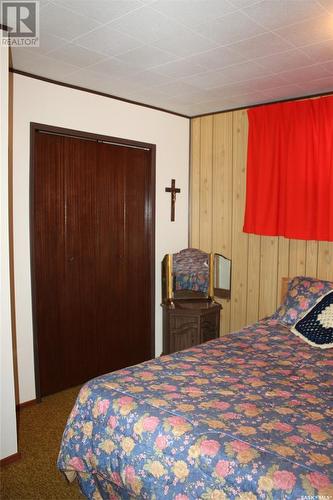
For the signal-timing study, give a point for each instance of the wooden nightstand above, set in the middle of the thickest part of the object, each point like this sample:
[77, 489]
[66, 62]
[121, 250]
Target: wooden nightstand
[189, 322]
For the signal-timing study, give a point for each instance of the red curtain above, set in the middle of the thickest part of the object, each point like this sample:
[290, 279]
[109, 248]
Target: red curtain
[289, 188]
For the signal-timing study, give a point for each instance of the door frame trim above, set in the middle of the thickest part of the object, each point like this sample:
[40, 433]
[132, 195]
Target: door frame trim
[39, 127]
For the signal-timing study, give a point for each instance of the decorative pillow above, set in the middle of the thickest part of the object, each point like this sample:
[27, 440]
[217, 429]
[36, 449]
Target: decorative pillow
[316, 327]
[303, 293]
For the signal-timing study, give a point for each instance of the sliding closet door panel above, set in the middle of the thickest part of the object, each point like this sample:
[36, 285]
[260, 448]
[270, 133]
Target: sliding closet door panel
[79, 291]
[137, 233]
[92, 219]
[111, 317]
[123, 241]
[49, 257]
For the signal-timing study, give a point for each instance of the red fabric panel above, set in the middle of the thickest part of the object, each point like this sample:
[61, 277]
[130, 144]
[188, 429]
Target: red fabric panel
[289, 188]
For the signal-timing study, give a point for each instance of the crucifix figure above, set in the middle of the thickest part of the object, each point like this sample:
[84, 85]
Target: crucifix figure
[173, 190]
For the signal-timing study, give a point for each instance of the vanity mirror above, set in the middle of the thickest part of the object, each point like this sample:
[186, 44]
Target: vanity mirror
[222, 276]
[194, 274]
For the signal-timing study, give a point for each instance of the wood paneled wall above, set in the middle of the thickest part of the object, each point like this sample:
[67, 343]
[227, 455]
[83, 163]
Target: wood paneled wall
[218, 180]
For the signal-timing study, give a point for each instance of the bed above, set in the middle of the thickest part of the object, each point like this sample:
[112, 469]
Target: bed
[245, 416]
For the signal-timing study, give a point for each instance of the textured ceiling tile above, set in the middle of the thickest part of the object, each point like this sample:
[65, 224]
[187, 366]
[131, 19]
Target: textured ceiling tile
[274, 14]
[144, 95]
[240, 4]
[218, 105]
[64, 23]
[242, 71]
[304, 74]
[265, 83]
[41, 65]
[328, 66]
[122, 87]
[213, 95]
[282, 92]
[206, 55]
[180, 101]
[322, 51]
[73, 54]
[185, 44]
[47, 42]
[179, 69]
[108, 40]
[308, 32]
[247, 100]
[317, 86]
[250, 97]
[90, 80]
[284, 61]
[147, 25]
[261, 45]
[102, 11]
[44, 3]
[145, 57]
[231, 90]
[158, 102]
[327, 4]
[197, 108]
[113, 68]
[236, 73]
[179, 88]
[151, 78]
[230, 28]
[218, 58]
[205, 10]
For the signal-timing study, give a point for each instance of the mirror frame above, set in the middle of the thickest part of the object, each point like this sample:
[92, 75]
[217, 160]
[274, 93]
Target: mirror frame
[222, 293]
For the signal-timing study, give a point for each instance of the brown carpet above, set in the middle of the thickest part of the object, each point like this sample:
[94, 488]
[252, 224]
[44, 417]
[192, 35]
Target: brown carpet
[35, 476]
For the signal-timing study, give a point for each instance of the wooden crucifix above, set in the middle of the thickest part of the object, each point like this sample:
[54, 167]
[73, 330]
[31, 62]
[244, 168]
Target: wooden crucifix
[173, 190]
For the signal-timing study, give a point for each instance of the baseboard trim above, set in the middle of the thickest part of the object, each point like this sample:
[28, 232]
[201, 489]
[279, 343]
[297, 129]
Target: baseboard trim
[10, 459]
[32, 402]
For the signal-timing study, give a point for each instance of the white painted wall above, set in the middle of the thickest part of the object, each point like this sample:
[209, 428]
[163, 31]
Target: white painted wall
[8, 443]
[41, 102]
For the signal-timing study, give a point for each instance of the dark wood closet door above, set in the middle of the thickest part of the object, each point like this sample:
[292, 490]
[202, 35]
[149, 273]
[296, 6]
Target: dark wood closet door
[92, 220]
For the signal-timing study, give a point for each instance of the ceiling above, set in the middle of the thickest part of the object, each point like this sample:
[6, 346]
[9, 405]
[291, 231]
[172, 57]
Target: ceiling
[187, 56]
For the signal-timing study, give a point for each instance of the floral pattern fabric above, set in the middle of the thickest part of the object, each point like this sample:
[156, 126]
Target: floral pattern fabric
[242, 417]
[303, 293]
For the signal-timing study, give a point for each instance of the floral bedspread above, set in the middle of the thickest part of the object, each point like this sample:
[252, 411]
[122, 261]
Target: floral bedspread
[246, 416]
